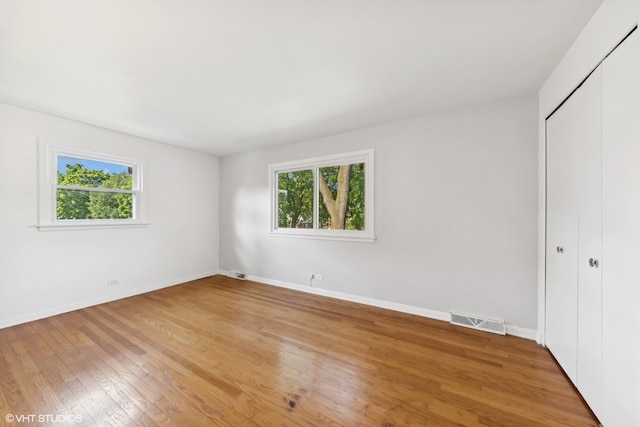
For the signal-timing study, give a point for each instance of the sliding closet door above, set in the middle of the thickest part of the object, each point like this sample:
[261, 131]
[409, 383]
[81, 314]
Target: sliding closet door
[621, 236]
[593, 237]
[562, 238]
[588, 134]
[573, 304]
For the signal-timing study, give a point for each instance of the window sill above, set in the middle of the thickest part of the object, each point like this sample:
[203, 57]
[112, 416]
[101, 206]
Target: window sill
[90, 226]
[361, 239]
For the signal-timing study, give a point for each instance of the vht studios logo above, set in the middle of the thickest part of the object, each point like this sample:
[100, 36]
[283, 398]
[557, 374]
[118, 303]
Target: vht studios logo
[42, 418]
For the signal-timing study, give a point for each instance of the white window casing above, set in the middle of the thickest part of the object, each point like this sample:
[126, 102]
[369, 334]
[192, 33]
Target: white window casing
[314, 164]
[48, 186]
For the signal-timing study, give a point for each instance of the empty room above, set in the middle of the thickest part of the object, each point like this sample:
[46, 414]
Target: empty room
[320, 213]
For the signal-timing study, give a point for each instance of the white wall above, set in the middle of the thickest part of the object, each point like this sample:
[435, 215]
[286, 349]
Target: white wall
[455, 215]
[44, 273]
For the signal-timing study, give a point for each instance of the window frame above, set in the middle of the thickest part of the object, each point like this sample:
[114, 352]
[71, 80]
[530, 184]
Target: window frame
[314, 164]
[48, 187]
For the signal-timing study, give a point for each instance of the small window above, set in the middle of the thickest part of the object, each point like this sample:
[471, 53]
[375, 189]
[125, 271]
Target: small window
[89, 189]
[327, 197]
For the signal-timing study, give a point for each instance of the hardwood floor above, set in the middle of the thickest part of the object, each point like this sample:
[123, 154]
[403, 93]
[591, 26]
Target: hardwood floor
[218, 351]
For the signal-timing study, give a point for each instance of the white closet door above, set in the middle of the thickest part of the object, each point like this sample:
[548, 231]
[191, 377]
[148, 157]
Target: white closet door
[588, 135]
[621, 236]
[562, 238]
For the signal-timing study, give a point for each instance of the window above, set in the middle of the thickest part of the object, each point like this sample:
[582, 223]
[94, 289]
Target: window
[326, 197]
[85, 189]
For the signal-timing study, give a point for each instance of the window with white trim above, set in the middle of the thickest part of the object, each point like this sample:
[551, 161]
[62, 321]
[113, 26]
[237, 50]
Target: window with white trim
[87, 189]
[325, 197]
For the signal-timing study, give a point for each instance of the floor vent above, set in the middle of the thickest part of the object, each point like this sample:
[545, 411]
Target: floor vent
[237, 275]
[493, 326]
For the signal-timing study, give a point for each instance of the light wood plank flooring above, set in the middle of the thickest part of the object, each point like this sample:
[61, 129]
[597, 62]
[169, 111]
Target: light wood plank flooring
[218, 351]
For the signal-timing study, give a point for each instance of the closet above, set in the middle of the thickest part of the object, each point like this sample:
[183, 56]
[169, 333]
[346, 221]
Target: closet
[593, 237]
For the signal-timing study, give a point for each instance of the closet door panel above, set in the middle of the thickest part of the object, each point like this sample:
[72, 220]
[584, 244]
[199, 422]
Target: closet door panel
[621, 236]
[588, 135]
[562, 239]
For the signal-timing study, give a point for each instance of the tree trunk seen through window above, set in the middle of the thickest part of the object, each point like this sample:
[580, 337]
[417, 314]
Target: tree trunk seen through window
[342, 202]
[336, 202]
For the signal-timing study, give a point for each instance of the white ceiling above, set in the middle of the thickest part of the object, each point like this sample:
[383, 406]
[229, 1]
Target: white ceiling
[225, 76]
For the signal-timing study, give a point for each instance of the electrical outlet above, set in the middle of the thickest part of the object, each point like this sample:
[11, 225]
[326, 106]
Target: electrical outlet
[113, 282]
[318, 276]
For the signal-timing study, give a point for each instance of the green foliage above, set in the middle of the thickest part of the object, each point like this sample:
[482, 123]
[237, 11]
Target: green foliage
[72, 204]
[355, 214]
[112, 205]
[80, 204]
[295, 199]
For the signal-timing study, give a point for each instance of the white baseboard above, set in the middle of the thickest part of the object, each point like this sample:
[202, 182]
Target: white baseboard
[112, 297]
[514, 330]
[517, 331]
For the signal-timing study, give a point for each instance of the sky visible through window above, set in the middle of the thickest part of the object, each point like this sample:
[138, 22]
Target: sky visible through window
[110, 168]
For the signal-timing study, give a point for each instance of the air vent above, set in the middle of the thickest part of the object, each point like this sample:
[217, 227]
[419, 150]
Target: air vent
[237, 275]
[487, 325]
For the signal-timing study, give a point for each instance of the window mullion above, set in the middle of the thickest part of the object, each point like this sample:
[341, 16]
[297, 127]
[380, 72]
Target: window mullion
[316, 189]
[275, 200]
[93, 189]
